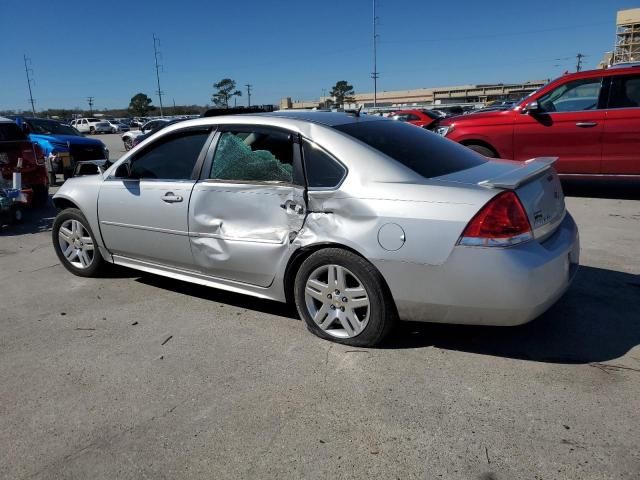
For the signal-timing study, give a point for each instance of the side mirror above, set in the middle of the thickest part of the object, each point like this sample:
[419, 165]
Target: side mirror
[123, 170]
[532, 107]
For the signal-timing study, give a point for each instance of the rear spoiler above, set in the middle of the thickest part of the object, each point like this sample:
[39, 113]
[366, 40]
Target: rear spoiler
[516, 177]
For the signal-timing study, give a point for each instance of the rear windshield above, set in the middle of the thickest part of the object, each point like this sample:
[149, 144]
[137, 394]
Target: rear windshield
[424, 152]
[10, 131]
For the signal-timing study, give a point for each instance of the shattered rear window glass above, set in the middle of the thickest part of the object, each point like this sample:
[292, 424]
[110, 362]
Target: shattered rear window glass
[253, 156]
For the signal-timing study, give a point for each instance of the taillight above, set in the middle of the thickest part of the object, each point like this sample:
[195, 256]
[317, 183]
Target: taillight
[39, 154]
[501, 222]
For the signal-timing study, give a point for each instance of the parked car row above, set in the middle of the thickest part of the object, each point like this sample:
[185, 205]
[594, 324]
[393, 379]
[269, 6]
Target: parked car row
[61, 146]
[92, 125]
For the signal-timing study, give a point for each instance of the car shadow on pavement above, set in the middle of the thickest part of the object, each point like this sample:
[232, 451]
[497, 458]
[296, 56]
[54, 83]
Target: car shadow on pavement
[620, 190]
[221, 296]
[36, 220]
[598, 319]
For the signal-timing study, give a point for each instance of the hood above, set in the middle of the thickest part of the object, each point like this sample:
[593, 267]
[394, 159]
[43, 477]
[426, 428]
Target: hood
[477, 117]
[72, 139]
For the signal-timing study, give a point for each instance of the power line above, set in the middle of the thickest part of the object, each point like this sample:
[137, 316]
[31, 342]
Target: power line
[29, 72]
[156, 46]
[90, 102]
[248, 85]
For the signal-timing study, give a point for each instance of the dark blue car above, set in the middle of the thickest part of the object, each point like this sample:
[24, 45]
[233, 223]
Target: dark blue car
[63, 145]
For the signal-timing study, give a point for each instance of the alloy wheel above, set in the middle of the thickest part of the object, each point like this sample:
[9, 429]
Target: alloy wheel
[76, 244]
[337, 301]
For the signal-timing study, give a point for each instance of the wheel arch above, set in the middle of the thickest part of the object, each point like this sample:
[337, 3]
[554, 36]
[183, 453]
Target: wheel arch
[481, 143]
[301, 254]
[62, 203]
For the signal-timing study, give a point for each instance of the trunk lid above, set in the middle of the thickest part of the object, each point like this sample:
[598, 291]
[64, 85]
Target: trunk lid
[535, 182]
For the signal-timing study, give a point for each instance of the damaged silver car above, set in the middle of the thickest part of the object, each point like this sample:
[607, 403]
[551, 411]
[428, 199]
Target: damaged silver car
[359, 220]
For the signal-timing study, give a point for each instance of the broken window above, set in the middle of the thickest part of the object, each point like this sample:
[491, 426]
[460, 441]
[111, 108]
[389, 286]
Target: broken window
[257, 156]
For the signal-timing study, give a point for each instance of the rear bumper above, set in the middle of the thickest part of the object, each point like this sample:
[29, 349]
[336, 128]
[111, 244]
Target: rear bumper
[488, 286]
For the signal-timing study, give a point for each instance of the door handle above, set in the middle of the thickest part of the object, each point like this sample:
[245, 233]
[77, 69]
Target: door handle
[169, 197]
[586, 124]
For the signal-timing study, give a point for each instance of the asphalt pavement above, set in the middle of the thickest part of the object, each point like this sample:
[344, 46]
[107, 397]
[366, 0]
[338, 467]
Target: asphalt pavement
[136, 376]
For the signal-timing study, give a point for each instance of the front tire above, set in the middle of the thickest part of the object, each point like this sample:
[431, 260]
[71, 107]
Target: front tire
[75, 244]
[482, 150]
[343, 298]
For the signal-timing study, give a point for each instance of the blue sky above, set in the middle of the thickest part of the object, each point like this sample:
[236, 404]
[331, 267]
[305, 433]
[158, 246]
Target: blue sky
[287, 48]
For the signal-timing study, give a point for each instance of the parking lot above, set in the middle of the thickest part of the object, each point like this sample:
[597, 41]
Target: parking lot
[136, 376]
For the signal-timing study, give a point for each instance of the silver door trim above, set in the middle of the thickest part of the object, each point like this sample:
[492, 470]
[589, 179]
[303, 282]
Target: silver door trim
[144, 227]
[201, 279]
[234, 239]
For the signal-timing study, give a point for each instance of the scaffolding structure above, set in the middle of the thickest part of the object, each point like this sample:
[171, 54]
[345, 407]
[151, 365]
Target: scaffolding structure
[627, 47]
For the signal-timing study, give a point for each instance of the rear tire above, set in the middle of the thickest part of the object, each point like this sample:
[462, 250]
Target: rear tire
[128, 143]
[343, 298]
[482, 150]
[17, 215]
[81, 255]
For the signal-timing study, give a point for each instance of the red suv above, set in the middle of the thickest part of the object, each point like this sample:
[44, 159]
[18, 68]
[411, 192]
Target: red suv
[15, 145]
[590, 120]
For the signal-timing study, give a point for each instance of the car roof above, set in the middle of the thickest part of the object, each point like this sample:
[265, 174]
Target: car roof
[330, 119]
[5, 120]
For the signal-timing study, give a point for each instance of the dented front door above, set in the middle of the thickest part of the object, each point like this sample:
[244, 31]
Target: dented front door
[249, 206]
[242, 232]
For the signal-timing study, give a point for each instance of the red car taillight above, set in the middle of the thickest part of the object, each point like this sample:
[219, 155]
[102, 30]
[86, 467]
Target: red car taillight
[39, 154]
[500, 223]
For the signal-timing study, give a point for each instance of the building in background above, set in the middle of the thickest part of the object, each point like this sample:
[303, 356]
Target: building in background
[627, 47]
[431, 97]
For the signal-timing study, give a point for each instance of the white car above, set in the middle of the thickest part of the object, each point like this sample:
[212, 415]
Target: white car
[86, 125]
[131, 135]
[117, 126]
[103, 127]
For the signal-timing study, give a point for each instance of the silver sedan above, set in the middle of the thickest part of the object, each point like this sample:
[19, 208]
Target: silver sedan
[359, 220]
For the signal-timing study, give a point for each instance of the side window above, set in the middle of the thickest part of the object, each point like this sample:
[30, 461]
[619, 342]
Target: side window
[170, 158]
[412, 118]
[572, 96]
[625, 92]
[253, 156]
[322, 170]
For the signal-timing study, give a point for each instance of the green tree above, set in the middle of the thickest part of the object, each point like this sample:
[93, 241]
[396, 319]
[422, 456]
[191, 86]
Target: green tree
[342, 93]
[226, 88]
[140, 105]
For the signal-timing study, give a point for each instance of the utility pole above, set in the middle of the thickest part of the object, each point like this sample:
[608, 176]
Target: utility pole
[156, 46]
[579, 64]
[174, 106]
[29, 72]
[90, 102]
[248, 85]
[375, 74]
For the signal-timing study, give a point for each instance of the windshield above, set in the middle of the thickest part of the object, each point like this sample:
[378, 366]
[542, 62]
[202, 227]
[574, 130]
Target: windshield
[424, 152]
[50, 127]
